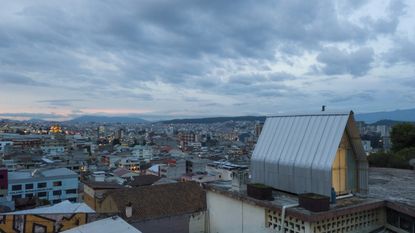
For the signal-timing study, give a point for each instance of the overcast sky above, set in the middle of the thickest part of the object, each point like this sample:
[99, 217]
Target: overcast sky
[165, 58]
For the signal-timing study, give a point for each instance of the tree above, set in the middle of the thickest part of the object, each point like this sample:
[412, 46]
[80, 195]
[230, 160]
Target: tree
[402, 136]
[401, 158]
[380, 159]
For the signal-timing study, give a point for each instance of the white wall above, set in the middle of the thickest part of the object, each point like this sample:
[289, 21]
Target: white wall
[228, 215]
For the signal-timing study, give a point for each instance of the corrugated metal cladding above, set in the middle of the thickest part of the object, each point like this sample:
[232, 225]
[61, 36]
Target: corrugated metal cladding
[295, 153]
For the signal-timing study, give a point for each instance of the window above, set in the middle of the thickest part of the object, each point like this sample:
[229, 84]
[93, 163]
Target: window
[29, 194]
[16, 187]
[71, 191]
[57, 193]
[41, 185]
[14, 197]
[57, 183]
[29, 186]
[72, 199]
[42, 194]
[56, 201]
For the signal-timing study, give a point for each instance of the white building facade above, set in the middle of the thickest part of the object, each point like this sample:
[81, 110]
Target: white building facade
[54, 185]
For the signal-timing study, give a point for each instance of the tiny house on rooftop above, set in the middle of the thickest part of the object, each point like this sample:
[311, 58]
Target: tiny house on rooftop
[311, 153]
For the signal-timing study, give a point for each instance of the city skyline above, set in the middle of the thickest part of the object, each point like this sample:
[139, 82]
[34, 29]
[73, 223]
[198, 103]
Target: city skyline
[190, 59]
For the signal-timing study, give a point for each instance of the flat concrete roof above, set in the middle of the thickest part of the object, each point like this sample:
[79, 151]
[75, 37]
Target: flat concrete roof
[396, 185]
[27, 175]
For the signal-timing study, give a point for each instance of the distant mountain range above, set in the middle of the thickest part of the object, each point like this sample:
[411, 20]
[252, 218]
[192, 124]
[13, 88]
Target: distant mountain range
[387, 122]
[214, 120]
[386, 117]
[397, 115]
[107, 119]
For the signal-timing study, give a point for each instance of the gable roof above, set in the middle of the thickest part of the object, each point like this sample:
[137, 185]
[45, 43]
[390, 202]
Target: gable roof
[121, 171]
[295, 153]
[143, 180]
[106, 225]
[158, 201]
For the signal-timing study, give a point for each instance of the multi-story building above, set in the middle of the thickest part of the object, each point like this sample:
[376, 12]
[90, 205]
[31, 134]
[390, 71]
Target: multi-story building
[143, 152]
[224, 170]
[54, 185]
[173, 170]
[258, 128]
[367, 146]
[26, 143]
[53, 150]
[196, 165]
[5, 146]
[185, 138]
[57, 144]
[10, 164]
[130, 163]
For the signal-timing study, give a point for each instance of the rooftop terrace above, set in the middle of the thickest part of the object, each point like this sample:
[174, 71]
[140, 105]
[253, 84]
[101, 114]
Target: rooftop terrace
[392, 184]
[394, 188]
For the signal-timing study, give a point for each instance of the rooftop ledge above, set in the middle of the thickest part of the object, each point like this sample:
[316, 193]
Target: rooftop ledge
[342, 207]
[392, 188]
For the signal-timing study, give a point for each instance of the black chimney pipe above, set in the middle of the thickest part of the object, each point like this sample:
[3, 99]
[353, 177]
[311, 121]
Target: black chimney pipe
[323, 108]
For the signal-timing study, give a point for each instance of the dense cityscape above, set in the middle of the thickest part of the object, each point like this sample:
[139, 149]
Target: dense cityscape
[104, 167]
[214, 116]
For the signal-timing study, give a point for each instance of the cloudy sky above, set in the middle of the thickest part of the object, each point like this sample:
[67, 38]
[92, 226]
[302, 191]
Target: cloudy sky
[165, 58]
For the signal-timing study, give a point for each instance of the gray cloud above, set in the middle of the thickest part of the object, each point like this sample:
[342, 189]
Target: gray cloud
[32, 115]
[403, 51]
[336, 61]
[18, 79]
[60, 102]
[137, 50]
[360, 96]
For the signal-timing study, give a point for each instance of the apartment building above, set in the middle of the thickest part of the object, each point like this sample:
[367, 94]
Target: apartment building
[54, 185]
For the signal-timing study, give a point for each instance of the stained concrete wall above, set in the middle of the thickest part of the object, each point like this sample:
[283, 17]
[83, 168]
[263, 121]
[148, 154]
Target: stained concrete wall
[227, 215]
[197, 223]
[188, 223]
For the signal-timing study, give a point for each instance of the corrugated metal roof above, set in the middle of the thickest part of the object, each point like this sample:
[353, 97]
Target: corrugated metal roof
[295, 152]
[64, 207]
